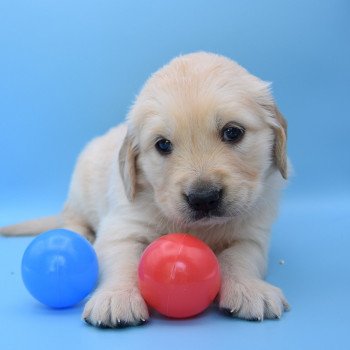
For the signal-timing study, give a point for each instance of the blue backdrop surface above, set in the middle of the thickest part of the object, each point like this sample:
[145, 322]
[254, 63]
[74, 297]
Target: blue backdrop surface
[69, 70]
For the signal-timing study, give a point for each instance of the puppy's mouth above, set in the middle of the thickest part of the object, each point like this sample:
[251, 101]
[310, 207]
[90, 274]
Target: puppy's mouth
[206, 215]
[205, 219]
[219, 215]
[212, 218]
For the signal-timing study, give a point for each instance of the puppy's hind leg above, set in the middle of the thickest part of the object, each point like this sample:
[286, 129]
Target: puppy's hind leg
[31, 227]
[74, 221]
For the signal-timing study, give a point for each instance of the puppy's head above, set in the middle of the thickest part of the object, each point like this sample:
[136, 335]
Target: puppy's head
[203, 134]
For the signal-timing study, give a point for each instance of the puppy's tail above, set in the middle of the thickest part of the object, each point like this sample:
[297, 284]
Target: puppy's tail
[31, 227]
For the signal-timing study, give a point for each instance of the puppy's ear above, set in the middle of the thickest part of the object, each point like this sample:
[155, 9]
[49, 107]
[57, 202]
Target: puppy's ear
[280, 145]
[127, 166]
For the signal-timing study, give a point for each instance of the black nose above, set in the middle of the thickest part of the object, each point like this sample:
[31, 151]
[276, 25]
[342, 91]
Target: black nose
[204, 200]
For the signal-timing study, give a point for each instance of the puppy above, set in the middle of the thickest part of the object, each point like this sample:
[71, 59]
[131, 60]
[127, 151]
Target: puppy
[203, 151]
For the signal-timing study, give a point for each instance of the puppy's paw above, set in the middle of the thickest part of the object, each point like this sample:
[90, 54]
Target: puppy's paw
[252, 299]
[116, 309]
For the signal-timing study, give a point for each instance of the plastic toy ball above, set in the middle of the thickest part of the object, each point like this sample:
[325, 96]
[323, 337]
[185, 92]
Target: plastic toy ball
[179, 275]
[59, 268]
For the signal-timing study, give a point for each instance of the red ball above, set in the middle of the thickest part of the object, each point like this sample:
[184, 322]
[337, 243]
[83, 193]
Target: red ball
[179, 275]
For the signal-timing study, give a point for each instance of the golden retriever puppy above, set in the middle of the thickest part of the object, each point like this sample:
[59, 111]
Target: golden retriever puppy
[204, 152]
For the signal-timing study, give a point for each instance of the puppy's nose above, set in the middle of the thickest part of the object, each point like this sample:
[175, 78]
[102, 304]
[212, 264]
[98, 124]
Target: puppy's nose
[204, 200]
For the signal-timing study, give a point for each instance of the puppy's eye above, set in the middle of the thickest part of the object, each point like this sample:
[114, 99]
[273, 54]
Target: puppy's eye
[232, 134]
[164, 146]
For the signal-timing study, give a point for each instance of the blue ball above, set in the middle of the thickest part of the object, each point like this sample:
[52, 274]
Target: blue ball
[59, 268]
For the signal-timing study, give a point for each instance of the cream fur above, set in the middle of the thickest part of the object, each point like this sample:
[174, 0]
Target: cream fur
[128, 194]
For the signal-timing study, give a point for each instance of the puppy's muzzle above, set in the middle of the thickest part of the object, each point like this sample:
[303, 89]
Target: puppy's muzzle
[204, 201]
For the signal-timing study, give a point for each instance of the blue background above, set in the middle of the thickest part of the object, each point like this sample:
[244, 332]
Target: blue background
[69, 70]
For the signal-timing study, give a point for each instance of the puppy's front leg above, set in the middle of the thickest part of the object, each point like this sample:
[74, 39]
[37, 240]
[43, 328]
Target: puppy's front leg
[243, 292]
[117, 301]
